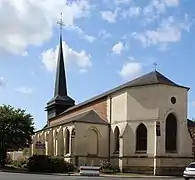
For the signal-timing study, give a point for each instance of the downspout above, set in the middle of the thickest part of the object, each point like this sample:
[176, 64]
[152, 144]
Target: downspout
[155, 150]
[109, 127]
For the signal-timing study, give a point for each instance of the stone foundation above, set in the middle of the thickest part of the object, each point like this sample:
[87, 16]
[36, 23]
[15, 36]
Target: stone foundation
[171, 165]
[171, 171]
[88, 160]
[141, 165]
[139, 170]
[145, 165]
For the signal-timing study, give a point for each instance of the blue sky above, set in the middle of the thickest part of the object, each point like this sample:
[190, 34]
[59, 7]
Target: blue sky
[106, 43]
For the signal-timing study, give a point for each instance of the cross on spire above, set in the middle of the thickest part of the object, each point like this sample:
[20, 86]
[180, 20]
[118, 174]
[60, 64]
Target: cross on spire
[60, 23]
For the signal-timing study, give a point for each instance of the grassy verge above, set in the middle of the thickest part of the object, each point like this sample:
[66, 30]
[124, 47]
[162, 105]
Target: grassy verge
[127, 174]
[120, 174]
[14, 168]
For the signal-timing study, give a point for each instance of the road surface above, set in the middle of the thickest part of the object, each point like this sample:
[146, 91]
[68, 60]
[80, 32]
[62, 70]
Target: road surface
[19, 176]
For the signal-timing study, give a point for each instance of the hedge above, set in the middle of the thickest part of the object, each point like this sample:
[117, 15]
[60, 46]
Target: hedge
[42, 163]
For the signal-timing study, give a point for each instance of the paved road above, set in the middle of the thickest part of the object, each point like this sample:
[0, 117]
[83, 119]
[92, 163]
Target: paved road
[18, 176]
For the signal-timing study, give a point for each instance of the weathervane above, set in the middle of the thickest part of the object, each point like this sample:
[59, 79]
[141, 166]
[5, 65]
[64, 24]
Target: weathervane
[155, 65]
[61, 24]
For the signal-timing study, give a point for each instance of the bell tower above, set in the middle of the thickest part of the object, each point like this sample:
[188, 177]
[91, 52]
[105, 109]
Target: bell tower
[61, 101]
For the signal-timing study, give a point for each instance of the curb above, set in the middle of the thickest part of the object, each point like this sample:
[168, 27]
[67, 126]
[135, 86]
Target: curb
[26, 172]
[101, 175]
[140, 176]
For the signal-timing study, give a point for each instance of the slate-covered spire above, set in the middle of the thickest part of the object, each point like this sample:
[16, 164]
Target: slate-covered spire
[60, 82]
[61, 101]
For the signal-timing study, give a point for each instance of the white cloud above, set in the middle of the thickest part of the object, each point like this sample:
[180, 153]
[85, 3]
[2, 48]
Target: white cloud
[157, 7]
[160, 5]
[104, 34]
[117, 48]
[170, 31]
[172, 3]
[82, 34]
[2, 82]
[90, 39]
[81, 59]
[30, 22]
[117, 2]
[132, 12]
[24, 90]
[82, 71]
[109, 16]
[130, 70]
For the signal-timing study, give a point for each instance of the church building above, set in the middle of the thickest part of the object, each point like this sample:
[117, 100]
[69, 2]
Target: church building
[139, 126]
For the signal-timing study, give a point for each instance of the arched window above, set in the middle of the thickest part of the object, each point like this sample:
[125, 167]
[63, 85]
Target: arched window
[116, 140]
[67, 141]
[50, 144]
[92, 142]
[141, 138]
[60, 143]
[171, 133]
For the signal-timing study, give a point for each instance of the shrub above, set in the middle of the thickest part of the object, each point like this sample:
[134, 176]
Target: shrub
[8, 159]
[42, 163]
[56, 164]
[38, 163]
[21, 162]
[106, 167]
[69, 167]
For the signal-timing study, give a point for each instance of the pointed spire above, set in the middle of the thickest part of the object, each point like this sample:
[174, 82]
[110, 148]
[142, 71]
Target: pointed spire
[60, 82]
[61, 101]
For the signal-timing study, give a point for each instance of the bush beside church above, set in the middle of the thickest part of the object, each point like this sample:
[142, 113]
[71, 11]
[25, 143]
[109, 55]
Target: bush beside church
[45, 164]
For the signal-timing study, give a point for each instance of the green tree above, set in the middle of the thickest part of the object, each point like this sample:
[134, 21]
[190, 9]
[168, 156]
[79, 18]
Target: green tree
[16, 128]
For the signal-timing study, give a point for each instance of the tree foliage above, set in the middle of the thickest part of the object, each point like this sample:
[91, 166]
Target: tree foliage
[16, 128]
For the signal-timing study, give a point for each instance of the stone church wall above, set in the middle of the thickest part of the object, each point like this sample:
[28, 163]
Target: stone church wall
[86, 141]
[142, 103]
[179, 109]
[100, 106]
[144, 164]
[192, 132]
[117, 107]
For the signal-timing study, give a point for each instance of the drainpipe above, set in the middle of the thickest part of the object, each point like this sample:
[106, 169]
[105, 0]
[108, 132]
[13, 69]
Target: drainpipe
[109, 127]
[155, 150]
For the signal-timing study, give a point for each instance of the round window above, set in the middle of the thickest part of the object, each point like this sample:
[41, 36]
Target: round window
[173, 100]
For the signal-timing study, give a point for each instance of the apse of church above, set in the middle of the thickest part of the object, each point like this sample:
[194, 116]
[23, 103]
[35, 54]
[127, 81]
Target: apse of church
[138, 126]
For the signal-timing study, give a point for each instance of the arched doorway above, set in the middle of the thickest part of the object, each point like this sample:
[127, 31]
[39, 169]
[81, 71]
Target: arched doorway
[171, 133]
